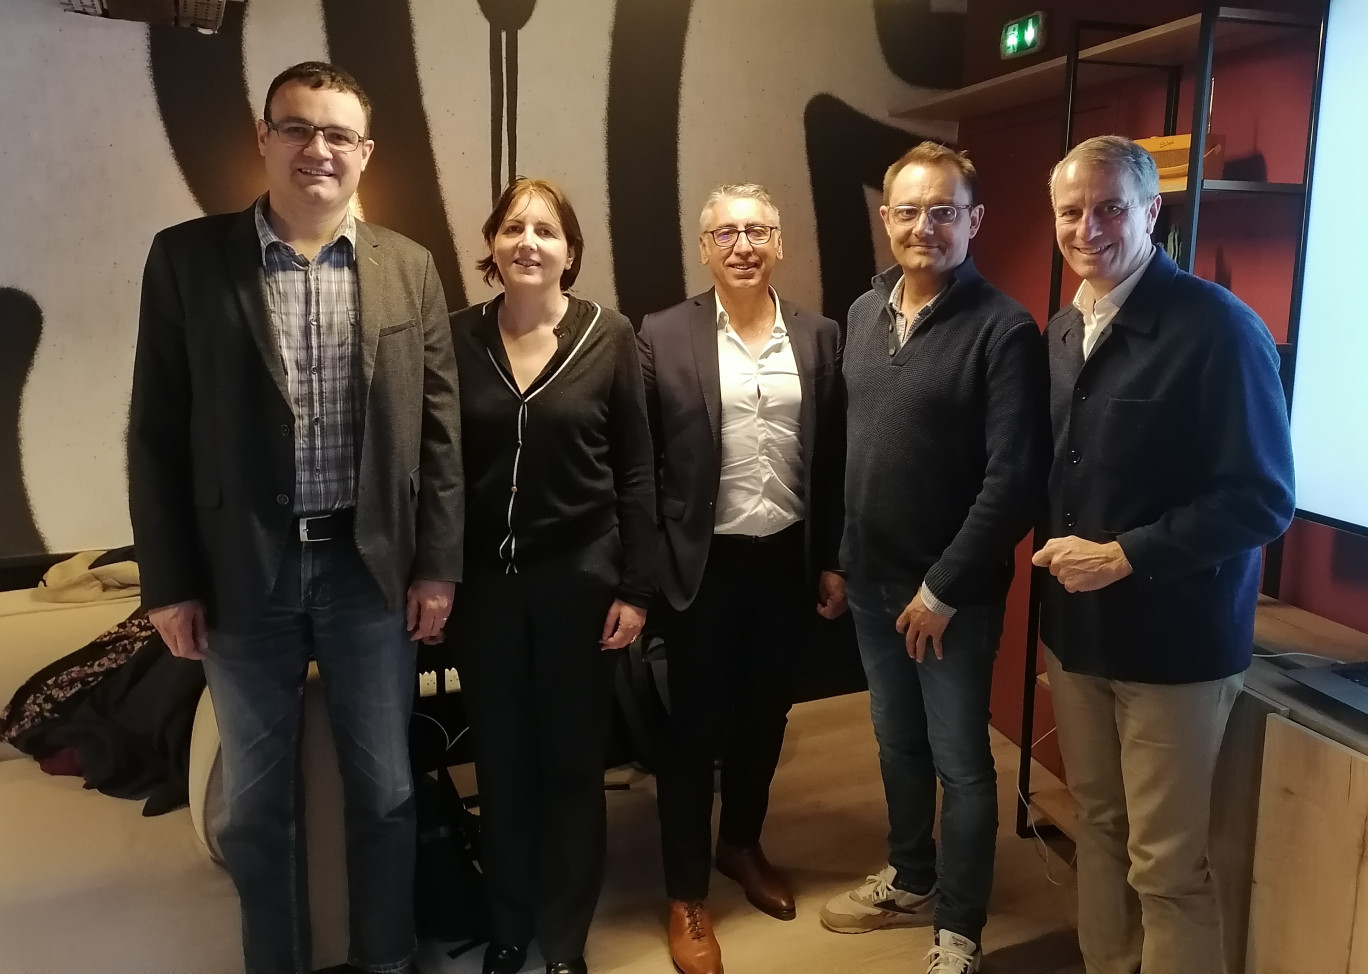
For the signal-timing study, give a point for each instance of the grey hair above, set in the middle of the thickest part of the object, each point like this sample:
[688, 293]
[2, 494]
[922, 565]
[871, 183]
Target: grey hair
[1114, 152]
[731, 191]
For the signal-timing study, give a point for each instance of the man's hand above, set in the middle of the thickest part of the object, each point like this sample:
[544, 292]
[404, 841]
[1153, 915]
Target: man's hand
[920, 625]
[429, 604]
[623, 624]
[1083, 566]
[831, 596]
[182, 627]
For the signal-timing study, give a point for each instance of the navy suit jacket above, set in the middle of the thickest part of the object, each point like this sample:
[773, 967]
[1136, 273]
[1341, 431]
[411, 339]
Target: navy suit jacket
[678, 349]
[1171, 439]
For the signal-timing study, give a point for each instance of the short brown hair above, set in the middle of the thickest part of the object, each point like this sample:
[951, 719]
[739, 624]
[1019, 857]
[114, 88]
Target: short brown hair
[555, 198]
[934, 154]
[319, 74]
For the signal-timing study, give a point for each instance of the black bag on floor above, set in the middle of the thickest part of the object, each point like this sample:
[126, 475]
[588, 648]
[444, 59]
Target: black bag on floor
[448, 887]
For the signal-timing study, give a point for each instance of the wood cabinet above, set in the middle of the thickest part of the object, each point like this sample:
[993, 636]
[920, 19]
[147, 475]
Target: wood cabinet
[1309, 903]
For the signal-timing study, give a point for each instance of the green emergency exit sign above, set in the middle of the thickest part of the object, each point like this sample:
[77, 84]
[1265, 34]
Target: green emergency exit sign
[1025, 35]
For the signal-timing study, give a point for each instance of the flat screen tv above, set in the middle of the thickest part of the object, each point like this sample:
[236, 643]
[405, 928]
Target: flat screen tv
[1330, 386]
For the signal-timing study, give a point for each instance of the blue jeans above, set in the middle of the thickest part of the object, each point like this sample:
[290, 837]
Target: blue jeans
[325, 604]
[931, 721]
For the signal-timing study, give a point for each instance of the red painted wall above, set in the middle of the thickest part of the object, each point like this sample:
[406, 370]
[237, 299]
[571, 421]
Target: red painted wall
[1260, 106]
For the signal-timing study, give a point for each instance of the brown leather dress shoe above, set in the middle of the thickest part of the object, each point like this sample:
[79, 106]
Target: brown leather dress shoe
[693, 946]
[765, 888]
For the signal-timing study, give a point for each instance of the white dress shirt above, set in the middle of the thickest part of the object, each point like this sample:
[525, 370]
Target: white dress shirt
[760, 492]
[1099, 312]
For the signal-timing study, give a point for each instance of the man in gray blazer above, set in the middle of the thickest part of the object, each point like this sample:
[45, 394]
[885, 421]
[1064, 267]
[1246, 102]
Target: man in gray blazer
[295, 490]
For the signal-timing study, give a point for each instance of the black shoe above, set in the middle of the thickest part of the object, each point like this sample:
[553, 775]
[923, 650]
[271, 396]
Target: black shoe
[576, 966]
[499, 959]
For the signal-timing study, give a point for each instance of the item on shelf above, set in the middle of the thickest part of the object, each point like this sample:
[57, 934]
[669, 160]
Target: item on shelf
[1173, 243]
[1171, 154]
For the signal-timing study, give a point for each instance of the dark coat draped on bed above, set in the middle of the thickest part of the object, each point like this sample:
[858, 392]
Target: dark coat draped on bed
[118, 712]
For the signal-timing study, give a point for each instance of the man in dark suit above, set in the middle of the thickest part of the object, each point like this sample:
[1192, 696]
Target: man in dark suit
[747, 414]
[1172, 466]
[294, 484]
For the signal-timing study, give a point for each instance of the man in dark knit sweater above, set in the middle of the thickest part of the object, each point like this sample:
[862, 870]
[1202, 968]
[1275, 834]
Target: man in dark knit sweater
[948, 447]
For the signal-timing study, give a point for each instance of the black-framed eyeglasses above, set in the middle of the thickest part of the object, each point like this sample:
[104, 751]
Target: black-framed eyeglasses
[757, 234]
[940, 215]
[295, 132]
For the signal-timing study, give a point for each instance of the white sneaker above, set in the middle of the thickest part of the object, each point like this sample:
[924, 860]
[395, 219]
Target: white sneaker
[878, 903]
[953, 954]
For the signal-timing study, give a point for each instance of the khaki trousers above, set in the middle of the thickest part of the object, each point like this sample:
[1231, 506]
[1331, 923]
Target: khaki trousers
[1139, 759]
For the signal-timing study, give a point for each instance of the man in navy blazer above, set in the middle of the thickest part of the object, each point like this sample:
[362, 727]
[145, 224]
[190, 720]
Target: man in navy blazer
[747, 414]
[1172, 467]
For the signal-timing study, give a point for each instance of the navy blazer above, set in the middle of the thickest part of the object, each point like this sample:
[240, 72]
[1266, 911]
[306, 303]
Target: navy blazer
[1171, 439]
[678, 350]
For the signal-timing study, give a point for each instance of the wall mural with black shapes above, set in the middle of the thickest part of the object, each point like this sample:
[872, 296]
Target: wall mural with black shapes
[637, 107]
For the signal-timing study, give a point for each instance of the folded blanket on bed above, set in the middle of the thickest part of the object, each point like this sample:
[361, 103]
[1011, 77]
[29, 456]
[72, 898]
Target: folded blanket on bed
[89, 577]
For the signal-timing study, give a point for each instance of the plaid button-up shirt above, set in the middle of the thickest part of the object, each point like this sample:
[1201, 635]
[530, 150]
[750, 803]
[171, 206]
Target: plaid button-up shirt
[313, 307]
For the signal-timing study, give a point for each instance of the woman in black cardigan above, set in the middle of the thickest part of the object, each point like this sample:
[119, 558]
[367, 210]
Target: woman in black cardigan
[560, 529]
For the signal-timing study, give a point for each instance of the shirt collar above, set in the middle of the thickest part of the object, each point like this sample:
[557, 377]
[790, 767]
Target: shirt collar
[964, 273]
[1111, 302]
[780, 329]
[345, 230]
[896, 295]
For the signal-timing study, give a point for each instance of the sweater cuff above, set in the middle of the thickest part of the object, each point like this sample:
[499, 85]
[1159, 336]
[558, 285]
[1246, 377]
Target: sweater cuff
[636, 597]
[934, 604]
[1135, 546]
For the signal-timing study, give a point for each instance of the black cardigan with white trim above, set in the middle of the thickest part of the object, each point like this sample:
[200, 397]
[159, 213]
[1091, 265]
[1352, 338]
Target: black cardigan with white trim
[550, 469]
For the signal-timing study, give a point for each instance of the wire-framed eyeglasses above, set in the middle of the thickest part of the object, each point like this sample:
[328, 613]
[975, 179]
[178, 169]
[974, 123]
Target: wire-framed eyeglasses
[756, 233]
[940, 215]
[294, 132]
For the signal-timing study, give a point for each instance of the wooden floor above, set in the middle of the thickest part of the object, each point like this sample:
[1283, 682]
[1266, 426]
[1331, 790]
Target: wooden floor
[826, 829]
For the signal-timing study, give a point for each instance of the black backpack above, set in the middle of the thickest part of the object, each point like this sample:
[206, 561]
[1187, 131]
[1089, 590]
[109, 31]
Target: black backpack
[448, 887]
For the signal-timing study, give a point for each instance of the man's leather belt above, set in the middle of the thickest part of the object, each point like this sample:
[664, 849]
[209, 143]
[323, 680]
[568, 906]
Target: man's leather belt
[324, 527]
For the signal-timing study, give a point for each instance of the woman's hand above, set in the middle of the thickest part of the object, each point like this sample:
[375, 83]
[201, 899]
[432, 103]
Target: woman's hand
[623, 624]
